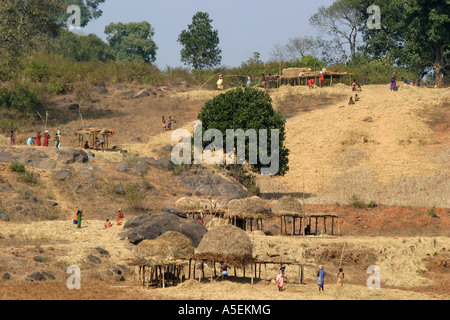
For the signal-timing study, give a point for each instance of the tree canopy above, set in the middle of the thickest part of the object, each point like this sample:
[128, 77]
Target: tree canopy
[89, 10]
[200, 43]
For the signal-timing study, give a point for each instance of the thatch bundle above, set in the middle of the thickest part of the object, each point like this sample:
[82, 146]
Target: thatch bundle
[295, 72]
[190, 204]
[227, 243]
[287, 206]
[170, 247]
[248, 208]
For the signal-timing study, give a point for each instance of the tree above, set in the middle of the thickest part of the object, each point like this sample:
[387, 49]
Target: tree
[27, 24]
[247, 109]
[341, 21]
[300, 47]
[200, 43]
[132, 41]
[89, 10]
[414, 34]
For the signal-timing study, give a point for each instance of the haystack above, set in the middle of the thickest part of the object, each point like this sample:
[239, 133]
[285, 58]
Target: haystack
[190, 204]
[294, 72]
[170, 247]
[287, 206]
[227, 243]
[247, 208]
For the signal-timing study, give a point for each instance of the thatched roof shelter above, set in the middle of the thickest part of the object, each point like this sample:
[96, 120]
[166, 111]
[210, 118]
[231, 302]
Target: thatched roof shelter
[287, 206]
[227, 243]
[170, 247]
[191, 204]
[248, 208]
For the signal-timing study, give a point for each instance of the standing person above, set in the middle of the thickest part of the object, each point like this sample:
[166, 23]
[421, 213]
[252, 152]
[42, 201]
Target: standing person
[224, 270]
[393, 82]
[38, 139]
[79, 218]
[320, 278]
[12, 136]
[249, 81]
[270, 81]
[340, 279]
[46, 138]
[321, 79]
[263, 80]
[169, 123]
[57, 139]
[280, 278]
[220, 83]
[163, 123]
[119, 217]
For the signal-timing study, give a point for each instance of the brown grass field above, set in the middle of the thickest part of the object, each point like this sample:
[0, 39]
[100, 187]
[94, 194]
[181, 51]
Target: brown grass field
[400, 160]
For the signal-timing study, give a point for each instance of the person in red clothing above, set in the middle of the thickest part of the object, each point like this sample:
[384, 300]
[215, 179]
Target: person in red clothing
[12, 136]
[321, 79]
[119, 217]
[38, 139]
[46, 138]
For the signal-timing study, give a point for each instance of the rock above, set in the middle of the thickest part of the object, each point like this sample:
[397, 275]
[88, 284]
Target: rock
[152, 226]
[145, 185]
[176, 212]
[74, 107]
[123, 268]
[61, 175]
[68, 156]
[136, 140]
[140, 169]
[100, 90]
[119, 277]
[142, 93]
[213, 185]
[33, 157]
[119, 190]
[48, 275]
[122, 167]
[36, 276]
[6, 276]
[94, 259]
[5, 156]
[167, 148]
[4, 217]
[161, 164]
[40, 259]
[128, 93]
[367, 119]
[102, 251]
[52, 203]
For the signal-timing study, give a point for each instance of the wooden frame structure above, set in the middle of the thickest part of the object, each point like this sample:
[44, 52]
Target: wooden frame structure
[89, 134]
[309, 218]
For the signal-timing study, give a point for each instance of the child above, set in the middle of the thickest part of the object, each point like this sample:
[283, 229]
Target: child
[340, 278]
[356, 97]
[108, 224]
[164, 123]
[169, 123]
[79, 218]
[351, 101]
[119, 217]
[280, 279]
[224, 268]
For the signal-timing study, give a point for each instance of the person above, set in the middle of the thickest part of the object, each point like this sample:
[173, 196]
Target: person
[220, 83]
[108, 224]
[311, 83]
[99, 144]
[270, 80]
[38, 139]
[308, 230]
[57, 140]
[356, 97]
[31, 141]
[320, 278]
[351, 101]
[340, 278]
[263, 80]
[86, 146]
[393, 82]
[169, 123]
[249, 81]
[224, 270]
[46, 138]
[164, 123]
[119, 217]
[79, 218]
[280, 279]
[321, 79]
[12, 136]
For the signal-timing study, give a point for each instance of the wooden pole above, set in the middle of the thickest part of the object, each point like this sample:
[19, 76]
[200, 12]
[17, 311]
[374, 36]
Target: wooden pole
[301, 275]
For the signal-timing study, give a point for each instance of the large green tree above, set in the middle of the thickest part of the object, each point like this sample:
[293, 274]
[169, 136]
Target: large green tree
[132, 41]
[27, 25]
[249, 110]
[415, 34]
[200, 43]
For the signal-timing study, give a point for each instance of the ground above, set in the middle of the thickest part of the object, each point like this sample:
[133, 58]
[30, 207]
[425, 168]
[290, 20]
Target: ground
[397, 158]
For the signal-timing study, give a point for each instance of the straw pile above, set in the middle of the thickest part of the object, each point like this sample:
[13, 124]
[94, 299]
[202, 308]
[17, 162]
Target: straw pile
[227, 243]
[287, 206]
[170, 247]
[295, 72]
[247, 208]
[190, 204]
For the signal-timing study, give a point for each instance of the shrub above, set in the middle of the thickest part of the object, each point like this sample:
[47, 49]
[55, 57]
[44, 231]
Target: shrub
[29, 177]
[135, 197]
[372, 204]
[17, 167]
[356, 202]
[432, 212]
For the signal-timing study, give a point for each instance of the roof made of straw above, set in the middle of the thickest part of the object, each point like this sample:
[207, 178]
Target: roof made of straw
[190, 204]
[170, 247]
[227, 243]
[287, 205]
[248, 208]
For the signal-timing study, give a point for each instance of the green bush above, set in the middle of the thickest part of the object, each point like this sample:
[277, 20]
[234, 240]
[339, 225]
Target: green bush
[17, 167]
[356, 202]
[135, 197]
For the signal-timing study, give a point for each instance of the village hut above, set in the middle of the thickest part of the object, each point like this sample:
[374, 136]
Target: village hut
[248, 210]
[162, 259]
[227, 243]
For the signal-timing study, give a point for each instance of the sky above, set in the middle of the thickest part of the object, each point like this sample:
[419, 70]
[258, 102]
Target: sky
[244, 26]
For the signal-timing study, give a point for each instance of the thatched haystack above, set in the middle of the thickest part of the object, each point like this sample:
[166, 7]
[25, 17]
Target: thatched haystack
[170, 247]
[294, 72]
[287, 206]
[248, 208]
[191, 204]
[227, 243]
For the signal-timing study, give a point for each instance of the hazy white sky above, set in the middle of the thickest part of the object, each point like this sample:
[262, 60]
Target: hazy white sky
[244, 26]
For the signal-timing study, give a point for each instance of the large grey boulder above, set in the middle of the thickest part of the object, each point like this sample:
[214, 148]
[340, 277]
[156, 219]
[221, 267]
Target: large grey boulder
[214, 185]
[69, 155]
[33, 157]
[162, 164]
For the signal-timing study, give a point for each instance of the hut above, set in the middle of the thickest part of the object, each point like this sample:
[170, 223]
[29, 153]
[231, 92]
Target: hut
[162, 260]
[225, 243]
[247, 211]
[300, 76]
[196, 207]
[290, 208]
[90, 133]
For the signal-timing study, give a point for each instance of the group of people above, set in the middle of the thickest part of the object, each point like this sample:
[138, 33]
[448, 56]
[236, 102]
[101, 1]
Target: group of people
[168, 125]
[108, 224]
[38, 140]
[98, 144]
[281, 277]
